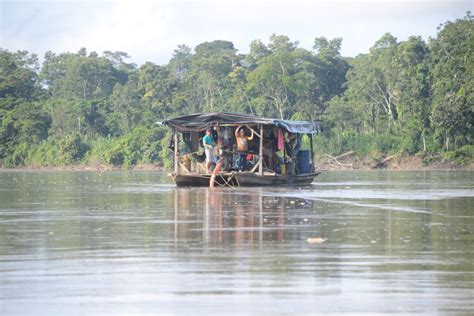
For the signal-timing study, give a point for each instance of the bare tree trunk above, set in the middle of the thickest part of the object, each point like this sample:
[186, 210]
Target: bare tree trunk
[84, 86]
[281, 112]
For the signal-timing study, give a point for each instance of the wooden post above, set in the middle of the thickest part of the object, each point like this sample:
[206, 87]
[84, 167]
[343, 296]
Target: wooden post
[260, 160]
[176, 160]
[312, 153]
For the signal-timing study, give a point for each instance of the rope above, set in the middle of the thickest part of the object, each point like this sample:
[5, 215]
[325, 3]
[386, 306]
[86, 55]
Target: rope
[228, 181]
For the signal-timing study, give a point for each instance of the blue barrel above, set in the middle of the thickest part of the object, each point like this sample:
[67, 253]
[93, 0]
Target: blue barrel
[303, 161]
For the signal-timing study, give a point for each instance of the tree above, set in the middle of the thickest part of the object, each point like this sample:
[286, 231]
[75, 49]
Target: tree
[208, 81]
[180, 63]
[79, 87]
[22, 121]
[258, 51]
[413, 84]
[156, 88]
[453, 88]
[126, 107]
[272, 80]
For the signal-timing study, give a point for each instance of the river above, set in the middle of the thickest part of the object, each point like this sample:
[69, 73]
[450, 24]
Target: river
[120, 243]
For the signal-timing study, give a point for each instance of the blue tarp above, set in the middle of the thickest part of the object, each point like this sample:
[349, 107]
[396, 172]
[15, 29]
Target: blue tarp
[201, 121]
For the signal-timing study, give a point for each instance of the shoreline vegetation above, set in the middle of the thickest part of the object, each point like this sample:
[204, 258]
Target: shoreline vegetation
[403, 105]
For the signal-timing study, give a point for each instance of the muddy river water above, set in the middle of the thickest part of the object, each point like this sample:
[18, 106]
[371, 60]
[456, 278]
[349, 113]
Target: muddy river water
[120, 243]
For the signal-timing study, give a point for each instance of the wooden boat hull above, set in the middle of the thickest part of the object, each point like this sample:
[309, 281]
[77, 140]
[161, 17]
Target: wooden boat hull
[244, 179]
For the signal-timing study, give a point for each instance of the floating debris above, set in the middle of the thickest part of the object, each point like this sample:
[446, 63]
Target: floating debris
[316, 240]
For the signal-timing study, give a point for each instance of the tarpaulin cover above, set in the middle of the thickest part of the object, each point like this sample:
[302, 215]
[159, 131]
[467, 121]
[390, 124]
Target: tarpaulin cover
[201, 121]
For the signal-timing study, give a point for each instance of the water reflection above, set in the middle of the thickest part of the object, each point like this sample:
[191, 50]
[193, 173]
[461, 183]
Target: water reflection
[237, 218]
[132, 243]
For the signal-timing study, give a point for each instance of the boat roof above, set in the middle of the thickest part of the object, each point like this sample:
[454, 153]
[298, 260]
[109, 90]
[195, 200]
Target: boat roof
[202, 121]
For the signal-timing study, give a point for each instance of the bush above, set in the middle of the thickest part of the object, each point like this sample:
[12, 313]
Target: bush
[141, 145]
[100, 147]
[43, 154]
[361, 144]
[462, 156]
[71, 149]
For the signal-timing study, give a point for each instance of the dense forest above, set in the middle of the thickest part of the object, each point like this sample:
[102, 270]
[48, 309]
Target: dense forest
[409, 98]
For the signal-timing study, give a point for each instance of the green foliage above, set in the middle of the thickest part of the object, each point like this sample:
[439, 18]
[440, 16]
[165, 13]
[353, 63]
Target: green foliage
[462, 156]
[405, 97]
[60, 151]
[142, 145]
[452, 69]
[70, 149]
[362, 144]
[166, 155]
[43, 154]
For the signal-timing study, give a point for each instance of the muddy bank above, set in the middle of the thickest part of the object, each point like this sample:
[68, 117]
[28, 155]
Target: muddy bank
[347, 161]
[94, 168]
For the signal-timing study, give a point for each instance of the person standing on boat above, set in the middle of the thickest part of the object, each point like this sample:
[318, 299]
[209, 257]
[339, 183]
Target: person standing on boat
[208, 143]
[242, 146]
[225, 158]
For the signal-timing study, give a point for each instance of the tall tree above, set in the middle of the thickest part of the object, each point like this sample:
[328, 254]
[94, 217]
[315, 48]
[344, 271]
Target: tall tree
[413, 84]
[22, 120]
[79, 86]
[208, 81]
[452, 70]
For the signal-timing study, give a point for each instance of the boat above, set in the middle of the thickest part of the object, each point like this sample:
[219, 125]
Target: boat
[275, 156]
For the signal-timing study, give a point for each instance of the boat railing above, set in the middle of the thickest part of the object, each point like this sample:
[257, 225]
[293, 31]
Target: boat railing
[188, 163]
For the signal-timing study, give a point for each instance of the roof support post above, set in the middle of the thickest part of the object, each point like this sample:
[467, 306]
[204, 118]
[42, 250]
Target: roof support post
[176, 161]
[260, 159]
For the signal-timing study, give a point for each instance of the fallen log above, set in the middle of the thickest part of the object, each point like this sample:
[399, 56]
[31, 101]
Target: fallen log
[335, 159]
[349, 153]
[381, 163]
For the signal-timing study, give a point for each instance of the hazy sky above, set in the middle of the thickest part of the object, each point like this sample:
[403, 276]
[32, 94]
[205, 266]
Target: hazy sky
[149, 30]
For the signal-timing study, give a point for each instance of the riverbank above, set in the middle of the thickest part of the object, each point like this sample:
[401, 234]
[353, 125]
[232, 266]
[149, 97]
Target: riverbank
[325, 162]
[348, 161]
[94, 168]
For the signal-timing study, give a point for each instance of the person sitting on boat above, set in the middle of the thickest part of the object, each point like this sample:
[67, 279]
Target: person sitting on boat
[292, 147]
[242, 141]
[224, 162]
[208, 143]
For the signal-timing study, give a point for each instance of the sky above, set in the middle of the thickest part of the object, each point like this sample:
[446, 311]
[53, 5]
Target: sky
[150, 30]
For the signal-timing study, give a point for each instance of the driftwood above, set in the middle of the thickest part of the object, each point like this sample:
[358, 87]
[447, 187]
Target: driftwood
[336, 159]
[349, 153]
[381, 163]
